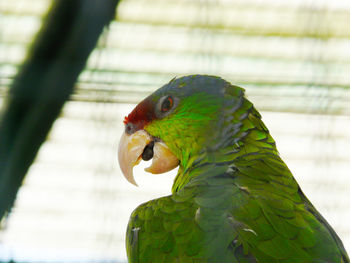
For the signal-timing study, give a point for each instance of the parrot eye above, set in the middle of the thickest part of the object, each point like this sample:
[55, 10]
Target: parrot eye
[167, 104]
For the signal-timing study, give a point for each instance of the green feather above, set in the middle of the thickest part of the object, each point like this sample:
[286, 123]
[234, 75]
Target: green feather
[234, 199]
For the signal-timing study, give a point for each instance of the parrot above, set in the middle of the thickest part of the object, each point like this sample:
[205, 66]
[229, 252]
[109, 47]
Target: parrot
[233, 198]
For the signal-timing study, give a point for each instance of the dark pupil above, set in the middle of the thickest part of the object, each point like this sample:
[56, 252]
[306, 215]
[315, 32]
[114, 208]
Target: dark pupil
[166, 105]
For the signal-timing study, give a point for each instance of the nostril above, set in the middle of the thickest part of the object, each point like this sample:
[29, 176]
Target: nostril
[129, 128]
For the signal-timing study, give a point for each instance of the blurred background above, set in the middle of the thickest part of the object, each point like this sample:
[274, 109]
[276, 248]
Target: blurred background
[292, 57]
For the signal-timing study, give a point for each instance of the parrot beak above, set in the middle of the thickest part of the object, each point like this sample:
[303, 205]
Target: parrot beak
[140, 145]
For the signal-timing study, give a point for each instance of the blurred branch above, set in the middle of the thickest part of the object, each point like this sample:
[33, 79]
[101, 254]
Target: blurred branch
[44, 82]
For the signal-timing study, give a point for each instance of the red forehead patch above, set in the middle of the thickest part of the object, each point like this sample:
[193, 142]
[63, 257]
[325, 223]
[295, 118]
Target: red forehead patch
[142, 114]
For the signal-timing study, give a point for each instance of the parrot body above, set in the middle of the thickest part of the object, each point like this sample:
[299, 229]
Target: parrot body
[233, 199]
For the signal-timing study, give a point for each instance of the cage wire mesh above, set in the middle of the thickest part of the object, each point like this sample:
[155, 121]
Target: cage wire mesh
[292, 57]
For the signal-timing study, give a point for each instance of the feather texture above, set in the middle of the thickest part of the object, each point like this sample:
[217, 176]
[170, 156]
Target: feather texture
[234, 199]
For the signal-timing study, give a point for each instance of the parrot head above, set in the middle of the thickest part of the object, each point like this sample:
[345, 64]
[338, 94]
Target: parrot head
[176, 123]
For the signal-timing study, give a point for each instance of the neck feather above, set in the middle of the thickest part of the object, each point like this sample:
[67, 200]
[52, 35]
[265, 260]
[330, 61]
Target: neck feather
[241, 133]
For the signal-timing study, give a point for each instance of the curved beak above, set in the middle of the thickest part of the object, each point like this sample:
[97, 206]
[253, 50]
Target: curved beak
[163, 159]
[140, 145]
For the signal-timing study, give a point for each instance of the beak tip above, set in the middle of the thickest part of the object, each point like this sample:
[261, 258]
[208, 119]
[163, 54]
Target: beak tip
[128, 174]
[132, 181]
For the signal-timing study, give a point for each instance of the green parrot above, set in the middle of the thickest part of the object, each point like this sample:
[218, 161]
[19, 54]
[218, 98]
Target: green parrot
[233, 199]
